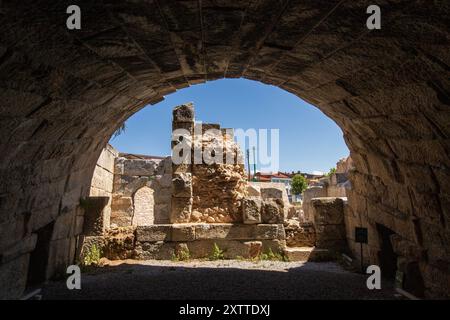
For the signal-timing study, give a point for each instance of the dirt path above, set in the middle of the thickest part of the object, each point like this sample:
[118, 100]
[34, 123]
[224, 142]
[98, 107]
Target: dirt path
[229, 279]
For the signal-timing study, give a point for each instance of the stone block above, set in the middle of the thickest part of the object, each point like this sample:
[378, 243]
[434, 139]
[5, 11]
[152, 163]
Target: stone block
[162, 213]
[330, 232]
[271, 193]
[183, 113]
[153, 233]
[123, 204]
[120, 219]
[182, 185]
[238, 231]
[212, 231]
[93, 218]
[253, 190]
[139, 167]
[180, 210]
[147, 250]
[276, 246]
[251, 208]
[183, 232]
[272, 212]
[328, 210]
[254, 249]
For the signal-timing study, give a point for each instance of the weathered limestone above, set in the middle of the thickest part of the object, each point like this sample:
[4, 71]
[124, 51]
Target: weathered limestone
[205, 188]
[272, 211]
[181, 207]
[93, 221]
[102, 182]
[236, 240]
[141, 192]
[251, 208]
[303, 235]
[329, 223]
[143, 202]
[203, 231]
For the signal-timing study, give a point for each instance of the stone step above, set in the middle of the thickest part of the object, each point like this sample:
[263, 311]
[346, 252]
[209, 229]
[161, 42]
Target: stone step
[307, 254]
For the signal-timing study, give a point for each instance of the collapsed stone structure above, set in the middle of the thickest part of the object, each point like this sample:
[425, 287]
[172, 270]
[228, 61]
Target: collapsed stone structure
[202, 191]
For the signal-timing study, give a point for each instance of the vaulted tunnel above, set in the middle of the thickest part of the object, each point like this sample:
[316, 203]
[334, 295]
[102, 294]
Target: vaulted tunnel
[64, 92]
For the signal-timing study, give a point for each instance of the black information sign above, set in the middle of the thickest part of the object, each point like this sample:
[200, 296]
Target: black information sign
[361, 235]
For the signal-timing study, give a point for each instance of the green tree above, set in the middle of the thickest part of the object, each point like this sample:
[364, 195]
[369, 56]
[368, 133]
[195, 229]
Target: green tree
[299, 184]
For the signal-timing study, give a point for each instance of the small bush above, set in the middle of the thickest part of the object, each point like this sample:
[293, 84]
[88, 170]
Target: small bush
[92, 256]
[217, 253]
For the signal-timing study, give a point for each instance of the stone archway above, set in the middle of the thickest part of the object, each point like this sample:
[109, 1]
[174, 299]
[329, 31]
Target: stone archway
[143, 202]
[65, 92]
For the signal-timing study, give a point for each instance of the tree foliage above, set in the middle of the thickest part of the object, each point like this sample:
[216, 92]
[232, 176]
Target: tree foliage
[299, 184]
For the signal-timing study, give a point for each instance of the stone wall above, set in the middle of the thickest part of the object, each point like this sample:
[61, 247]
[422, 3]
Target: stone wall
[329, 223]
[206, 186]
[141, 192]
[270, 190]
[235, 240]
[102, 181]
[308, 195]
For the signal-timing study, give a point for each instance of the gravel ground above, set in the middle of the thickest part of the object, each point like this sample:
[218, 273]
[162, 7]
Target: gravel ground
[226, 279]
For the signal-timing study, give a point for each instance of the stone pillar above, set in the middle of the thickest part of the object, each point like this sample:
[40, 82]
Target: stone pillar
[182, 154]
[329, 223]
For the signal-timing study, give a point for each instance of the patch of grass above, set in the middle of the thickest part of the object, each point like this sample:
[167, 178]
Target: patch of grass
[271, 256]
[182, 255]
[217, 253]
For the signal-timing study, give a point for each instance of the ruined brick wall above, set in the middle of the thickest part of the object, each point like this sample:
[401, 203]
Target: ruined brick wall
[218, 189]
[209, 186]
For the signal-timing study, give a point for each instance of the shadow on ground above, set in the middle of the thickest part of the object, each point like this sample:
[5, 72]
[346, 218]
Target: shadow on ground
[146, 281]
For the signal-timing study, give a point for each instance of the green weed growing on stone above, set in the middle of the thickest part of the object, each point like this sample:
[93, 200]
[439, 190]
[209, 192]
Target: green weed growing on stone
[182, 255]
[217, 253]
[271, 256]
[92, 256]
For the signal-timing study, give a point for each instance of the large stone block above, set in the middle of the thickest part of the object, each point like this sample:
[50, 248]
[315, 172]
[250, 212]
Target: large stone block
[182, 185]
[328, 210]
[154, 233]
[272, 212]
[139, 167]
[253, 190]
[93, 218]
[251, 208]
[180, 210]
[183, 113]
[238, 231]
[271, 193]
[183, 232]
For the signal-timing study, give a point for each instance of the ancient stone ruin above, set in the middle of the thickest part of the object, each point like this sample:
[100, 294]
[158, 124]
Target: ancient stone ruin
[147, 207]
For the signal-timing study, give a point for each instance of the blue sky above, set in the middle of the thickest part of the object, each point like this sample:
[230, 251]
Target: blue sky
[309, 140]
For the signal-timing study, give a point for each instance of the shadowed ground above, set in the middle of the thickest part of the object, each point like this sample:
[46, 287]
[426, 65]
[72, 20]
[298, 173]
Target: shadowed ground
[220, 280]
